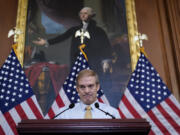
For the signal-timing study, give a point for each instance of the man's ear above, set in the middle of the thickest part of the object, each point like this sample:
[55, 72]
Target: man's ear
[98, 86]
[77, 88]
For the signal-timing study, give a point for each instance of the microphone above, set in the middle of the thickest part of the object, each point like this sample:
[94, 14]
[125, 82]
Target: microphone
[97, 106]
[70, 107]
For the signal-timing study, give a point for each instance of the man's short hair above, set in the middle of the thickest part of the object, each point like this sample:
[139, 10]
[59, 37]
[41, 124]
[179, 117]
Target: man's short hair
[86, 73]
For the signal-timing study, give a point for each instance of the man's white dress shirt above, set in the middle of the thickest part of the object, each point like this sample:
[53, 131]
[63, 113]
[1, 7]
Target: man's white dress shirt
[79, 110]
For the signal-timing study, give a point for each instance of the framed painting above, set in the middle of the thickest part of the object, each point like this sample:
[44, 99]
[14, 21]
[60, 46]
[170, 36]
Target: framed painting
[113, 57]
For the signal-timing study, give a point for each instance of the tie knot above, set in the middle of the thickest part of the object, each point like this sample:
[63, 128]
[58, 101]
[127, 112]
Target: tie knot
[88, 107]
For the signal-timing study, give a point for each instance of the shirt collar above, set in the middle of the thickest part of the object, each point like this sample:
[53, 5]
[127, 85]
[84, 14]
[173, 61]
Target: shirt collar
[84, 23]
[83, 106]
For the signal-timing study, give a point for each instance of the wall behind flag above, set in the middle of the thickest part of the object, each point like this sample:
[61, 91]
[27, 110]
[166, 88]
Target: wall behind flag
[8, 11]
[159, 21]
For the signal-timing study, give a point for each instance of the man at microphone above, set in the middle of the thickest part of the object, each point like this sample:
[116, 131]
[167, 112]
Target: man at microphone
[87, 86]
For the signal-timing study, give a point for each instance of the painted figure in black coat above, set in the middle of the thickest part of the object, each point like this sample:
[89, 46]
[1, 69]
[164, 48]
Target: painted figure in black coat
[98, 48]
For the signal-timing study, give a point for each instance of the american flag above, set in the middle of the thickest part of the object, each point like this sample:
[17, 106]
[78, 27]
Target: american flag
[146, 96]
[17, 100]
[68, 93]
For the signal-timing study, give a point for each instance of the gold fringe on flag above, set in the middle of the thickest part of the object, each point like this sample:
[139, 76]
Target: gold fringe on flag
[14, 46]
[143, 51]
[81, 47]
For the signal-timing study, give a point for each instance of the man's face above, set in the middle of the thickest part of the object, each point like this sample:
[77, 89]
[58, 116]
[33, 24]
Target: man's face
[87, 89]
[84, 15]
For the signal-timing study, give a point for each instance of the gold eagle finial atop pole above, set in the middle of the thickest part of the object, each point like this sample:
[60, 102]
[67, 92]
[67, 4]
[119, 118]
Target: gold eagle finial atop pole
[14, 32]
[82, 34]
[139, 38]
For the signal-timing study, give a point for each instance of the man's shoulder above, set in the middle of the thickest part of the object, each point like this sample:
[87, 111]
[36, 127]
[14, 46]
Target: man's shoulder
[106, 106]
[112, 110]
[74, 28]
[97, 29]
[77, 104]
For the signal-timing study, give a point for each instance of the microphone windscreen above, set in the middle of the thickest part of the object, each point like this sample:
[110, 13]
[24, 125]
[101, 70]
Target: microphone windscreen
[71, 105]
[96, 105]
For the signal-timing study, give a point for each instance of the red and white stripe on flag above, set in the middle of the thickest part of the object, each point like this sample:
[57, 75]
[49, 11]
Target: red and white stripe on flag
[60, 101]
[26, 110]
[164, 118]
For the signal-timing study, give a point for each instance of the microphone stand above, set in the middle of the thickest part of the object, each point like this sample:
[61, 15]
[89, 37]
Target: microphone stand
[70, 107]
[107, 113]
